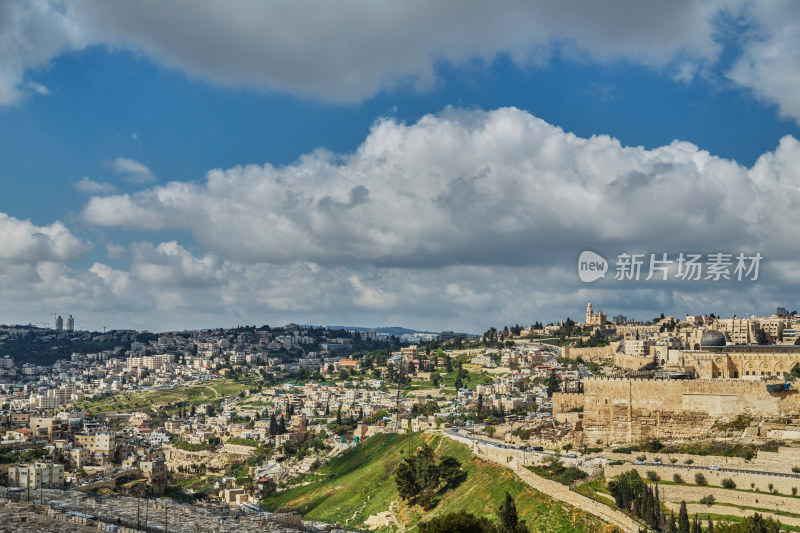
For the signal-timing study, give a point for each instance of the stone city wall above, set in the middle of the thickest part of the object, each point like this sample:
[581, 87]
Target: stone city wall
[622, 410]
[631, 362]
[565, 402]
[598, 353]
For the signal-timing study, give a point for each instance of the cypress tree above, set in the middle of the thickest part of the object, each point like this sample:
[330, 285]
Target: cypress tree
[507, 515]
[683, 519]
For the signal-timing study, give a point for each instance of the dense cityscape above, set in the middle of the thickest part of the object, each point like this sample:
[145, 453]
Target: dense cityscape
[399, 267]
[244, 423]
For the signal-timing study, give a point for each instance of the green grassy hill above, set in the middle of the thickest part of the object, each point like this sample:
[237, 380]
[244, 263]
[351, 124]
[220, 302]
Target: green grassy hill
[360, 483]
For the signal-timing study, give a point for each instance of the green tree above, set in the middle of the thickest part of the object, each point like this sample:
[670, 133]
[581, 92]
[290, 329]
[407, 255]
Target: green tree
[696, 528]
[419, 477]
[507, 519]
[761, 337]
[450, 471]
[683, 519]
[553, 382]
[751, 524]
[456, 523]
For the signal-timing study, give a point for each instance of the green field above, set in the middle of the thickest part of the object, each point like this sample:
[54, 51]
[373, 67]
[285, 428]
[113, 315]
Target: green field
[197, 394]
[361, 483]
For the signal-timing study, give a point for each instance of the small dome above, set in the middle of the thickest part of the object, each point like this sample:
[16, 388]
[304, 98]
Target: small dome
[712, 338]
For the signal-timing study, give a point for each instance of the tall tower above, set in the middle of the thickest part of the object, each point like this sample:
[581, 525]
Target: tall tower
[588, 314]
[70, 323]
[59, 323]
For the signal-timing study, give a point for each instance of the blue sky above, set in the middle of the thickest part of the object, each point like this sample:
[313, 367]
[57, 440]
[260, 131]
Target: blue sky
[357, 205]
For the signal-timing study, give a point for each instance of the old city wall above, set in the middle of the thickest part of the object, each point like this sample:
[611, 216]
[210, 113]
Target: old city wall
[598, 353]
[621, 410]
[631, 362]
[565, 402]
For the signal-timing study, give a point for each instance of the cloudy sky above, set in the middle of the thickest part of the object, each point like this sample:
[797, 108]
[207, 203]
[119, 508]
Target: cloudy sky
[435, 165]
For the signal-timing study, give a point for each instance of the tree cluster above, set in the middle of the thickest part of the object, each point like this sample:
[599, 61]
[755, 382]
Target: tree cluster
[507, 521]
[633, 495]
[751, 524]
[420, 478]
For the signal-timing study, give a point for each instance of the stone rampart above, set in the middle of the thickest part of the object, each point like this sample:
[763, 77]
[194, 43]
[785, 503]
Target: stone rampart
[624, 410]
[631, 362]
[597, 353]
[565, 402]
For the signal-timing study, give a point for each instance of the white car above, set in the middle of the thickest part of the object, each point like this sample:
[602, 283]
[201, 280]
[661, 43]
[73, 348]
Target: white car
[713, 467]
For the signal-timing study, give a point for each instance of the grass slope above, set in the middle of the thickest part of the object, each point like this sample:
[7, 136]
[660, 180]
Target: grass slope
[360, 483]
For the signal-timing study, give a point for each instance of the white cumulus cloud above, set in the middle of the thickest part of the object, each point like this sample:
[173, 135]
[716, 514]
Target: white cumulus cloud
[347, 51]
[23, 241]
[473, 187]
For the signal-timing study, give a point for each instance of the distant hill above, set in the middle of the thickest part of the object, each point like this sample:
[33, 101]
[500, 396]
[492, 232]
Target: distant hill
[388, 330]
[360, 483]
[394, 330]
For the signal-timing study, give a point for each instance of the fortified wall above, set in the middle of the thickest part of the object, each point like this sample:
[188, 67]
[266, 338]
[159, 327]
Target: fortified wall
[632, 362]
[622, 410]
[597, 353]
[566, 402]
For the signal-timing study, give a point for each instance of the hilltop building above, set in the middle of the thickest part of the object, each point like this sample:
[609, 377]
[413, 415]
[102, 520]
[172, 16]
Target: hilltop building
[595, 319]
